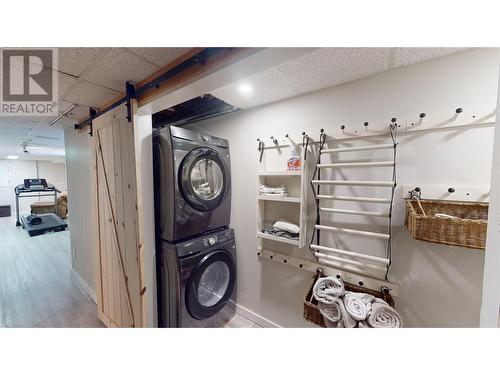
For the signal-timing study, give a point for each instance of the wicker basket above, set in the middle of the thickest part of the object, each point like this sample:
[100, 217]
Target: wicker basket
[467, 228]
[311, 310]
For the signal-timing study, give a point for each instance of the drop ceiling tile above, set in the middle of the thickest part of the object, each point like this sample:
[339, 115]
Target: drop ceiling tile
[75, 60]
[407, 56]
[160, 56]
[267, 86]
[65, 82]
[332, 66]
[119, 66]
[90, 95]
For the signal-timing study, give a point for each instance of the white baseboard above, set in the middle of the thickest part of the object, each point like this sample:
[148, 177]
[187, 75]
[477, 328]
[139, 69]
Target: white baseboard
[82, 284]
[255, 318]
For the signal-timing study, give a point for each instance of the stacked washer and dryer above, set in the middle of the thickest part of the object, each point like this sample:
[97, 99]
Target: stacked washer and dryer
[196, 251]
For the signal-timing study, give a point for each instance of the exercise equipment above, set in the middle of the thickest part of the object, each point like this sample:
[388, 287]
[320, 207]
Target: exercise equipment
[38, 224]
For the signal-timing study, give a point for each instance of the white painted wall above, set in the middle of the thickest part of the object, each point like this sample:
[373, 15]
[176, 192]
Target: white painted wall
[78, 170]
[54, 173]
[438, 285]
[490, 309]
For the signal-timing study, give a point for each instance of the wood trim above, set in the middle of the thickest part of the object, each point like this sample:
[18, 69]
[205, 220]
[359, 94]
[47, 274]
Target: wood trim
[94, 209]
[140, 219]
[170, 66]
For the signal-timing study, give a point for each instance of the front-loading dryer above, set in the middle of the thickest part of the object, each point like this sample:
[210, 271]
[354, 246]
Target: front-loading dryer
[192, 178]
[197, 281]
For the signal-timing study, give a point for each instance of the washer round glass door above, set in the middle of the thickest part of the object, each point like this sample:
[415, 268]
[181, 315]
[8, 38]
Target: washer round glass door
[210, 284]
[202, 178]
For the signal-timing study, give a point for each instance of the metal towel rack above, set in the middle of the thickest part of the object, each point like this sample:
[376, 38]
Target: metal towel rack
[345, 259]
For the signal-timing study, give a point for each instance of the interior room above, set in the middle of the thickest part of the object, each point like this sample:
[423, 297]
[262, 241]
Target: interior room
[256, 187]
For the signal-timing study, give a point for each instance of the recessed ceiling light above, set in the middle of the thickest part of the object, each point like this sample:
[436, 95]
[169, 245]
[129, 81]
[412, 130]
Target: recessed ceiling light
[12, 157]
[245, 88]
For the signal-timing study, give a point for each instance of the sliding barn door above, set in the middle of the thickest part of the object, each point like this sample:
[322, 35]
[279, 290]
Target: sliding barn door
[120, 287]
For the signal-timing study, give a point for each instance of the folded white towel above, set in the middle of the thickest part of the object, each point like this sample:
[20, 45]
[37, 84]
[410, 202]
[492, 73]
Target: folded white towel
[384, 316]
[286, 226]
[327, 289]
[269, 190]
[358, 305]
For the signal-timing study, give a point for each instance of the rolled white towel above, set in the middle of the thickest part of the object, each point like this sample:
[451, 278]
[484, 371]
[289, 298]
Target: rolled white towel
[384, 316]
[331, 313]
[327, 289]
[336, 315]
[358, 305]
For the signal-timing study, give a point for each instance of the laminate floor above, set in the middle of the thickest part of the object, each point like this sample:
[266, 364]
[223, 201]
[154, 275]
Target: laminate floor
[36, 289]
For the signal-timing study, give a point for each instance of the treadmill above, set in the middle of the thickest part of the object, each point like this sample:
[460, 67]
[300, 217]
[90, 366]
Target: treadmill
[41, 223]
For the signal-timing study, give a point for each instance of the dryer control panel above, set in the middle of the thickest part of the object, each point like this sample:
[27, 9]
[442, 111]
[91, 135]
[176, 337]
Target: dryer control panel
[197, 137]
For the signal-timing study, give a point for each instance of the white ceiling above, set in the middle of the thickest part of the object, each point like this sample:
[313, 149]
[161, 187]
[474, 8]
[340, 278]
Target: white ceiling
[87, 77]
[321, 68]
[93, 76]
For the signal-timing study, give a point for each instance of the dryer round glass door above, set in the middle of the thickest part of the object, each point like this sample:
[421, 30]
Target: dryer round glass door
[210, 284]
[203, 178]
[206, 179]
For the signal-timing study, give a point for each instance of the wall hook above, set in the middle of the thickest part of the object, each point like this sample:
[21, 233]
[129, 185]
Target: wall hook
[451, 190]
[393, 124]
[275, 141]
[366, 125]
[342, 127]
[421, 116]
[459, 110]
[260, 149]
[415, 193]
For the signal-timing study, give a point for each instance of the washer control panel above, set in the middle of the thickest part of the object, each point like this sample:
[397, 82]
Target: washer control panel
[196, 245]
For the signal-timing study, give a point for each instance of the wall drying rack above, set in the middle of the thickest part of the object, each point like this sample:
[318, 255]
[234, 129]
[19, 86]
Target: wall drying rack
[370, 265]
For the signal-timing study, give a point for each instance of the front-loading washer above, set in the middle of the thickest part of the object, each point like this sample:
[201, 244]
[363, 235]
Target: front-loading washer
[192, 181]
[197, 281]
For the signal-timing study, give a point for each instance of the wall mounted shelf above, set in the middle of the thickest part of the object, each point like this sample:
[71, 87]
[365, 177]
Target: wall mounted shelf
[280, 173]
[279, 199]
[272, 171]
[277, 238]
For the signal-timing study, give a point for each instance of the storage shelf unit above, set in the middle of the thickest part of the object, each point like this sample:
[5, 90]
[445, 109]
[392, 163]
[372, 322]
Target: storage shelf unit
[272, 172]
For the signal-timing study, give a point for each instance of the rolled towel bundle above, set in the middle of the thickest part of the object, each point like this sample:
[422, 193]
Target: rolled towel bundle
[327, 289]
[358, 305]
[383, 316]
[331, 313]
[336, 315]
